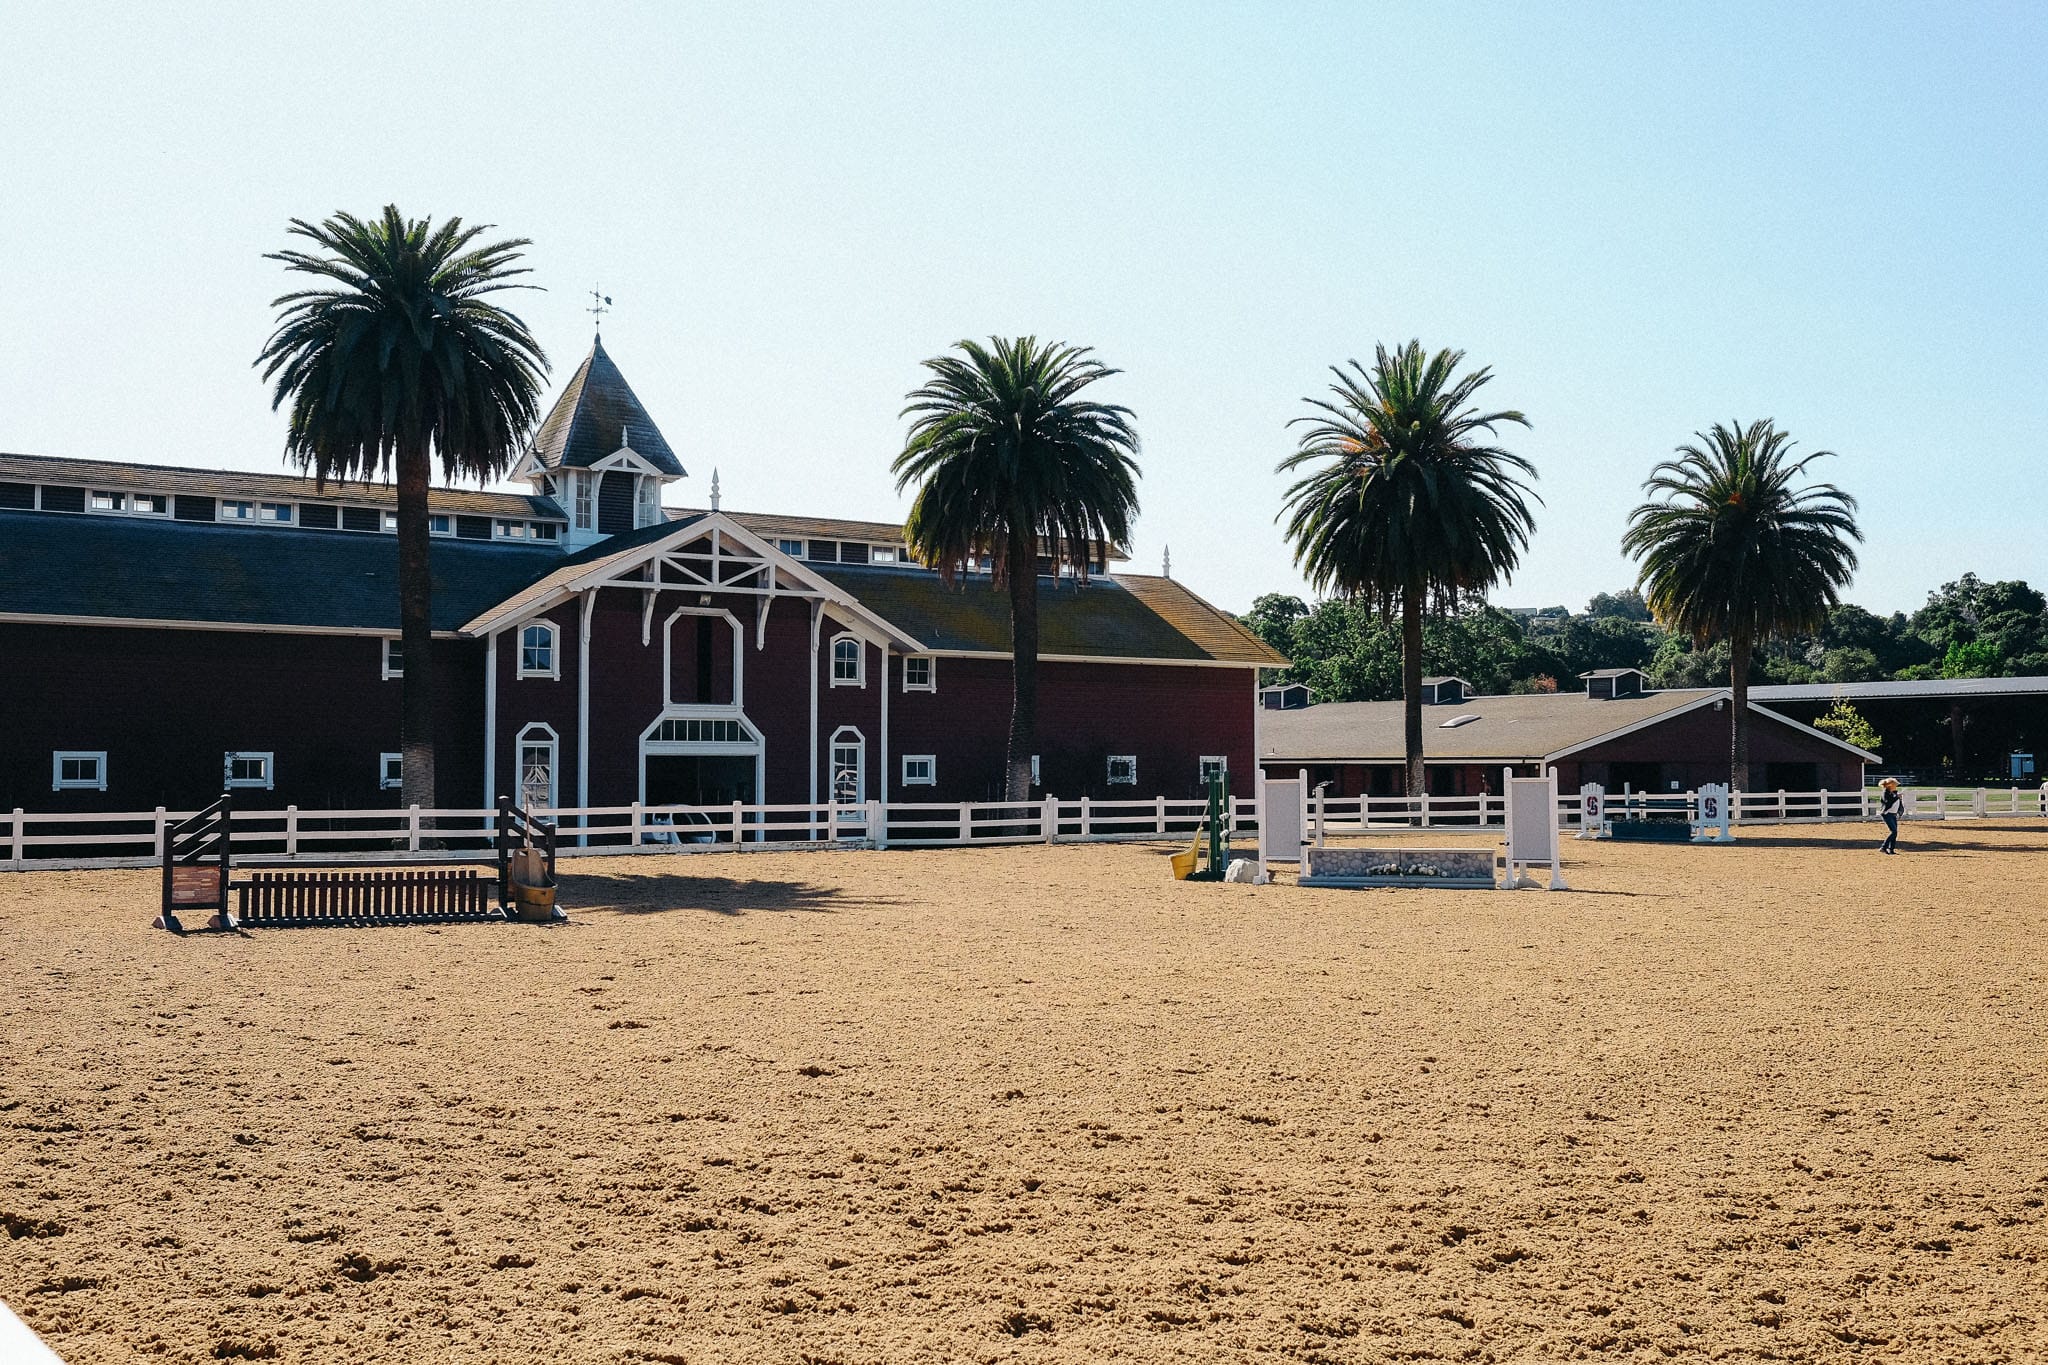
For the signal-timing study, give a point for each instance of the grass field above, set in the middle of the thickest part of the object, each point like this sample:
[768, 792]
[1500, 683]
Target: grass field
[1780, 1100]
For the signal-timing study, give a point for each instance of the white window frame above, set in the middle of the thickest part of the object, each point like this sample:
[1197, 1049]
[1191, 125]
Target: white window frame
[884, 554]
[245, 510]
[390, 523]
[508, 529]
[1222, 761]
[538, 735]
[583, 496]
[116, 498]
[931, 673]
[647, 502]
[384, 657]
[276, 513]
[446, 528]
[61, 783]
[860, 660]
[387, 778]
[1034, 772]
[846, 737]
[135, 511]
[793, 548]
[930, 763]
[554, 668]
[1109, 770]
[267, 759]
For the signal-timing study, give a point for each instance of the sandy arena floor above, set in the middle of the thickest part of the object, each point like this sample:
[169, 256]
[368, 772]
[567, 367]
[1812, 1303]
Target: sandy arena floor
[1782, 1100]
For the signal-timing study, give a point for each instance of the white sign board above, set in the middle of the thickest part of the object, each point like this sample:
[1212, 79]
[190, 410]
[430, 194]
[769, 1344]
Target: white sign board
[1532, 829]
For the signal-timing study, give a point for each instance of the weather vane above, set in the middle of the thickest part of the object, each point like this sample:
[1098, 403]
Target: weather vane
[600, 304]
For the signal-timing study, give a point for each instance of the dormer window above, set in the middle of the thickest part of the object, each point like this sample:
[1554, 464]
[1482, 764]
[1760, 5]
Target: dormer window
[274, 511]
[149, 505]
[237, 511]
[439, 525]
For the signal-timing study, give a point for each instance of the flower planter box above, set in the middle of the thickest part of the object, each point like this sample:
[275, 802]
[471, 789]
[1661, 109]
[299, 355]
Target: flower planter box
[1441, 867]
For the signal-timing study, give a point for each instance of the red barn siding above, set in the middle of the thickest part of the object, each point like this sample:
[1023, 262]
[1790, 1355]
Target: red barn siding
[167, 705]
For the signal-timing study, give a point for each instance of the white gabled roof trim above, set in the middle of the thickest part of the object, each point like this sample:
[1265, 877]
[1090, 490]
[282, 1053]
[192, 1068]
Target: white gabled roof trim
[603, 573]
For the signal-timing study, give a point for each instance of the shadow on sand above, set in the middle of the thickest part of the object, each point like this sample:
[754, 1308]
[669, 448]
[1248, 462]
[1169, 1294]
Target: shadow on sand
[587, 893]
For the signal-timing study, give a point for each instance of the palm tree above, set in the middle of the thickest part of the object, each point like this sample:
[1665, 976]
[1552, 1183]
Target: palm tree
[398, 356]
[1406, 504]
[1014, 466]
[1734, 552]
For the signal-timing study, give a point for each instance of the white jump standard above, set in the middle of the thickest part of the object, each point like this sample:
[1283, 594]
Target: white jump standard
[1532, 822]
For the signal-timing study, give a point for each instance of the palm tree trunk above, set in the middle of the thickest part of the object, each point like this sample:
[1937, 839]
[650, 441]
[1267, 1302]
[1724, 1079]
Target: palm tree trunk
[1738, 706]
[415, 625]
[1023, 571]
[1411, 688]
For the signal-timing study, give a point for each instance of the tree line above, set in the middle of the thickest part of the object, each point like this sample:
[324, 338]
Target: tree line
[1970, 628]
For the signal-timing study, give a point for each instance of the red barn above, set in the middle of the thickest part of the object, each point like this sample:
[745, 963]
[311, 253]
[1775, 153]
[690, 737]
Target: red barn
[171, 630]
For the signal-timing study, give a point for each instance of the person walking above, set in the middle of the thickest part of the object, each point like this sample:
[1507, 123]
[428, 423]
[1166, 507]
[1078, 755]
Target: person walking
[1890, 805]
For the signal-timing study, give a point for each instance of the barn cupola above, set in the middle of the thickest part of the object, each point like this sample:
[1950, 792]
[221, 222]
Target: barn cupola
[1615, 684]
[599, 455]
[1444, 691]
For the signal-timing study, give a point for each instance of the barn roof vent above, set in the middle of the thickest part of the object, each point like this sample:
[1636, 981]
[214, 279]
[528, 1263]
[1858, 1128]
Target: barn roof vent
[1455, 721]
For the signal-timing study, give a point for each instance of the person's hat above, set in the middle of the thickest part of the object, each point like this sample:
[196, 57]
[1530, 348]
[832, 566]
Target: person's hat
[1889, 782]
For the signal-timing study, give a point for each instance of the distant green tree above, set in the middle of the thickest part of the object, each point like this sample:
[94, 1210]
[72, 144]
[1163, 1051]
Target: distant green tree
[1850, 665]
[1732, 549]
[1847, 724]
[1628, 604]
[1273, 618]
[1972, 659]
[1406, 504]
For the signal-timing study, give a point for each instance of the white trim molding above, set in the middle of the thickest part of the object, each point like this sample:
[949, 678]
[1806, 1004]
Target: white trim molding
[80, 778]
[848, 737]
[739, 656]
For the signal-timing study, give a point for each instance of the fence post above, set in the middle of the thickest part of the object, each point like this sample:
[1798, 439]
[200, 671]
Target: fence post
[1319, 816]
[1085, 818]
[160, 822]
[633, 829]
[967, 821]
[1977, 802]
[1425, 810]
[1159, 815]
[14, 836]
[1941, 803]
[878, 829]
[412, 829]
[1049, 818]
[291, 831]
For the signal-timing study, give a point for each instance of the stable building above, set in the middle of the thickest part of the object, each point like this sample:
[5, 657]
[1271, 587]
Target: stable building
[1620, 733]
[172, 630]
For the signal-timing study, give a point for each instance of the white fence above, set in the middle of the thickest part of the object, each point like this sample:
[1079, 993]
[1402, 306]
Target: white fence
[135, 838]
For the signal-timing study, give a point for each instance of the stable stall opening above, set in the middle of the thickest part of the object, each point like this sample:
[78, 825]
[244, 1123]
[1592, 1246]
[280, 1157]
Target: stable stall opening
[700, 780]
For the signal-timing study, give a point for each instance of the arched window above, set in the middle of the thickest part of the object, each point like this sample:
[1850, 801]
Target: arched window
[849, 662]
[538, 657]
[537, 746]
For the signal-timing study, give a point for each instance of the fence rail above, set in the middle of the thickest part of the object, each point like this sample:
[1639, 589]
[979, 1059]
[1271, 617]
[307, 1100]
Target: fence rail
[77, 839]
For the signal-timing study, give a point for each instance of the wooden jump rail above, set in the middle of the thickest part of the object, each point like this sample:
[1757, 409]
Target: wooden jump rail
[304, 898]
[198, 859]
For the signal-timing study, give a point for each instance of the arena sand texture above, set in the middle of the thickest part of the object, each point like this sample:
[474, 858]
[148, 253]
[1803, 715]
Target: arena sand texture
[1781, 1100]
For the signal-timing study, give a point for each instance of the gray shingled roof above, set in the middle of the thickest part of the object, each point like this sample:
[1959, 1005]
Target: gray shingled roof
[236, 483]
[596, 414]
[1509, 729]
[52, 564]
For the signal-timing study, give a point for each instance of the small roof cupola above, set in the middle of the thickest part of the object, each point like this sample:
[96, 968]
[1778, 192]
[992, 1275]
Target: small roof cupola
[599, 454]
[1444, 691]
[1615, 684]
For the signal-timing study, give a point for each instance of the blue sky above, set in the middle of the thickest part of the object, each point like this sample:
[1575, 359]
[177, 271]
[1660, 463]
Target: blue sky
[1644, 218]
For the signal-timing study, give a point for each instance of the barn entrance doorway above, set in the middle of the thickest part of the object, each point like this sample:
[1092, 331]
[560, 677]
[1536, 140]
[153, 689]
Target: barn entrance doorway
[1635, 777]
[700, 780]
